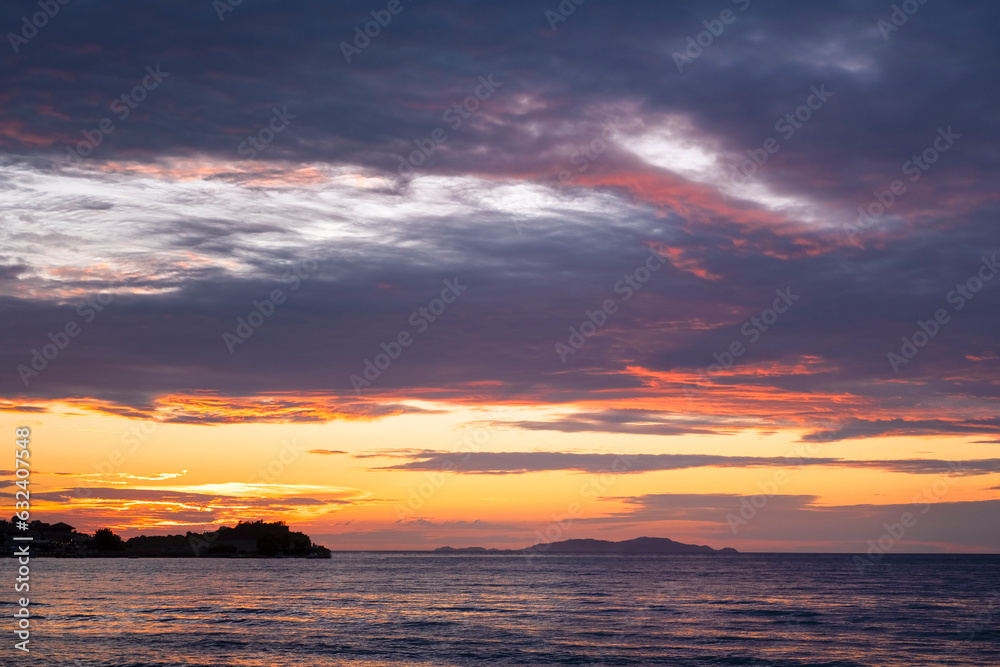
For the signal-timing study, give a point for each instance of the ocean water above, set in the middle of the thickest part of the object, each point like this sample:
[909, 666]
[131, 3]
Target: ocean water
[381, 609]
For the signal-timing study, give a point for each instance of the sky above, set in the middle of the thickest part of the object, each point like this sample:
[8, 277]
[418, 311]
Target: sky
[414, 274]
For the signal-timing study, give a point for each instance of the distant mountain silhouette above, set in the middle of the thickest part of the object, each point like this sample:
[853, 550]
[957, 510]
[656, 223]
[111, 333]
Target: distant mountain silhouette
[640, 545]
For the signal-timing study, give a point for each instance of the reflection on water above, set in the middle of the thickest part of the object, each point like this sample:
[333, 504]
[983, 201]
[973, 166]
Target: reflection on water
[375, 609]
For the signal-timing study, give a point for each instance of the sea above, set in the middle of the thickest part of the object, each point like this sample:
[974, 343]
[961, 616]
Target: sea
[376, 609]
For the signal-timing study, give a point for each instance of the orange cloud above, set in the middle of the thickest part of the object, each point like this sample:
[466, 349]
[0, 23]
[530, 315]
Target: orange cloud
[211, 408]
[272, 174]
[161, 509]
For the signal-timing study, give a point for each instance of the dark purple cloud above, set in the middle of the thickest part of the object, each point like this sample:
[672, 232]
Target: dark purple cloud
[506, 463]
[535, 257]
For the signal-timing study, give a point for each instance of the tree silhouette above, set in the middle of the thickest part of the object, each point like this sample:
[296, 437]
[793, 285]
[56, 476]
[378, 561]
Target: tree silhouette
[106, 540]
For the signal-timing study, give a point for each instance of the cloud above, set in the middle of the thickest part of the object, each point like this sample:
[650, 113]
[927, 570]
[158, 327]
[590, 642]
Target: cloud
[175, 295]
[645, 422]
[121, 477]
[166, 508]
[11, 407]
[803, 519]
[507, 463]
[12, 271]
[863, 428]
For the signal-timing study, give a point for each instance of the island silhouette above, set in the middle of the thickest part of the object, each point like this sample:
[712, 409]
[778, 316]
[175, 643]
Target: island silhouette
[639, 545]
[247, 539]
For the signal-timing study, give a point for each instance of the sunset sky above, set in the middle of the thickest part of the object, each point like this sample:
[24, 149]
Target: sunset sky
[500, 273]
